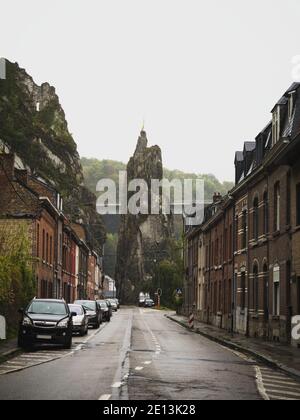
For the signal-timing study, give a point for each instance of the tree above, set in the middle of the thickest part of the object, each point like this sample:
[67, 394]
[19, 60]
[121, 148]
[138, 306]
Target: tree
[17, 280]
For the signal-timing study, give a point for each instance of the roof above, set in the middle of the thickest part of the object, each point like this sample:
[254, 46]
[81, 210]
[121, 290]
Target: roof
[295, 86]
[249, 146]
[239, 156]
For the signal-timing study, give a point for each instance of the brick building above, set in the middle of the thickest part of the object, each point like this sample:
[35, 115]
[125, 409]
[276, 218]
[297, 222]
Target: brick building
[21, 203]
[64, 265]
[252, 237]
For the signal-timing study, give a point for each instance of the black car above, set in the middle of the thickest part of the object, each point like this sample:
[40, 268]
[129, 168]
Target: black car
[47, 321]
[105, 310]
[93, 311]
[149, 303]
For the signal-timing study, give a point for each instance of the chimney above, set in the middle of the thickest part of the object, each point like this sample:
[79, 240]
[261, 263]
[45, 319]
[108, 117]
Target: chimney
[7, 167]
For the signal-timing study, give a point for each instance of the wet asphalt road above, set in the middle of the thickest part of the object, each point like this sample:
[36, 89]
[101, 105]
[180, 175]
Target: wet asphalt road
[140, 355]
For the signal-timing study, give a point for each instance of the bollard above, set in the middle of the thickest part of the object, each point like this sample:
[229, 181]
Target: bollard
[191, 321]
[2, 328]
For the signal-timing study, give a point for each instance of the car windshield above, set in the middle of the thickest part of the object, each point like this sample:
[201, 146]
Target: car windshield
[47, 308]
[77, 309]
[88, 304]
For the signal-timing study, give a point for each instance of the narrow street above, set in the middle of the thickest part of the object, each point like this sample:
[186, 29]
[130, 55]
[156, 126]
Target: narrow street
[141, 355]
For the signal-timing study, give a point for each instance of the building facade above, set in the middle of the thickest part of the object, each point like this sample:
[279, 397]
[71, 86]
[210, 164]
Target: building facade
[250, 239]
[64, 265]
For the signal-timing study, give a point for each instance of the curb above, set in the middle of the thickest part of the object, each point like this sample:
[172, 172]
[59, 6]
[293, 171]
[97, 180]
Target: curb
[261, 357]
[10, 352]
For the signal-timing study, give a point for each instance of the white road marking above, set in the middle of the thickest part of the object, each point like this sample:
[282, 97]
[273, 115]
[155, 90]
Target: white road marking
[147, 363]
[260, 384]
[288, 383]
[275, 397]
[139, 368]
[28, 360]
[284, 387]
[105, 397]
[285, 392]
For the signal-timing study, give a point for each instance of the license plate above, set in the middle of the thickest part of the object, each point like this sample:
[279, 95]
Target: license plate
[44, 337]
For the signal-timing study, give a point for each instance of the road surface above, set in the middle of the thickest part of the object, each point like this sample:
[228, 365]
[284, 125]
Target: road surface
[141, 355]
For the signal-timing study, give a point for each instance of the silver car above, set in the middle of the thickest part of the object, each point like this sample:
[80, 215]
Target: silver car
[80, 321]
[114, 305]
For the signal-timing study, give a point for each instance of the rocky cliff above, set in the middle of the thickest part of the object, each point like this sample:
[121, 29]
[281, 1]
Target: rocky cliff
[143, 239]
[33, 125]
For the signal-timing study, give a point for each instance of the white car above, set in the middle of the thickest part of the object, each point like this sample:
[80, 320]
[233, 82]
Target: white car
[80, 321]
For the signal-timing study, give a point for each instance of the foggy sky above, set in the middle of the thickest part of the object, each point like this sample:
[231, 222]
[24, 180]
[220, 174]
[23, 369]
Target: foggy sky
[204, 75]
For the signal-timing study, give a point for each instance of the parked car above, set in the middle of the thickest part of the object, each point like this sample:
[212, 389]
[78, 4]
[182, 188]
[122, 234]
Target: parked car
[118, 303]
[109, 307]
[149, 303]
[113, 305]
[81, 320]
[93, 311]
[105, 310]
[47, 321]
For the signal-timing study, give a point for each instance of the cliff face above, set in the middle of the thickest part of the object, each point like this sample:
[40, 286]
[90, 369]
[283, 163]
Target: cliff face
[33, 125]
[142, 238]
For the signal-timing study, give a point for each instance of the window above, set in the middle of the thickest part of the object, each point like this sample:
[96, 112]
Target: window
[288, 284]
[276, 126]
[44, 245]
[288, 199]
[298, 205]
[236, 234]
[256, 219]
[244, 224]
[291, 105]
[266, 213]
[277, 207]
[276, 290]
[50, 250]
[255, 288]
[225, 245]
[47, 247]
[230, 242]
[266, 292]
[38, 241]
[243, 290]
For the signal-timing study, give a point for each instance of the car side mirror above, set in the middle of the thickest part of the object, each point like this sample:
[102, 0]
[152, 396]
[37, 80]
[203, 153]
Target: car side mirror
[73, 314]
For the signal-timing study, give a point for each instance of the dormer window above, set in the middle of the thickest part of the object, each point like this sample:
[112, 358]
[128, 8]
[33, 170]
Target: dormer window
[291, 105]
[276, 126]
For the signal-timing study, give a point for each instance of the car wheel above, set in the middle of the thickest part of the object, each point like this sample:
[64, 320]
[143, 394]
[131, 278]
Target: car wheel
[24, 345]
[68, 344]
[82, 332]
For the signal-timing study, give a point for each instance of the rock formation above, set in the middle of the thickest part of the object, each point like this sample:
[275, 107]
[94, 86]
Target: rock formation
[143, 238]
[33, 125]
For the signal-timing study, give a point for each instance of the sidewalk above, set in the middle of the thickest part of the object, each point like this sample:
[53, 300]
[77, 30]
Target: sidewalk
[8, 347]
[278, 355]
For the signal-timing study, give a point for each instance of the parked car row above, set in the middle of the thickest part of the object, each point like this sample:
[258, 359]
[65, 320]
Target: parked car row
[53, 321]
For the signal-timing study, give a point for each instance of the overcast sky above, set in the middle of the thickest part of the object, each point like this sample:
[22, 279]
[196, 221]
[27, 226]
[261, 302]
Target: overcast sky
[203, 74]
